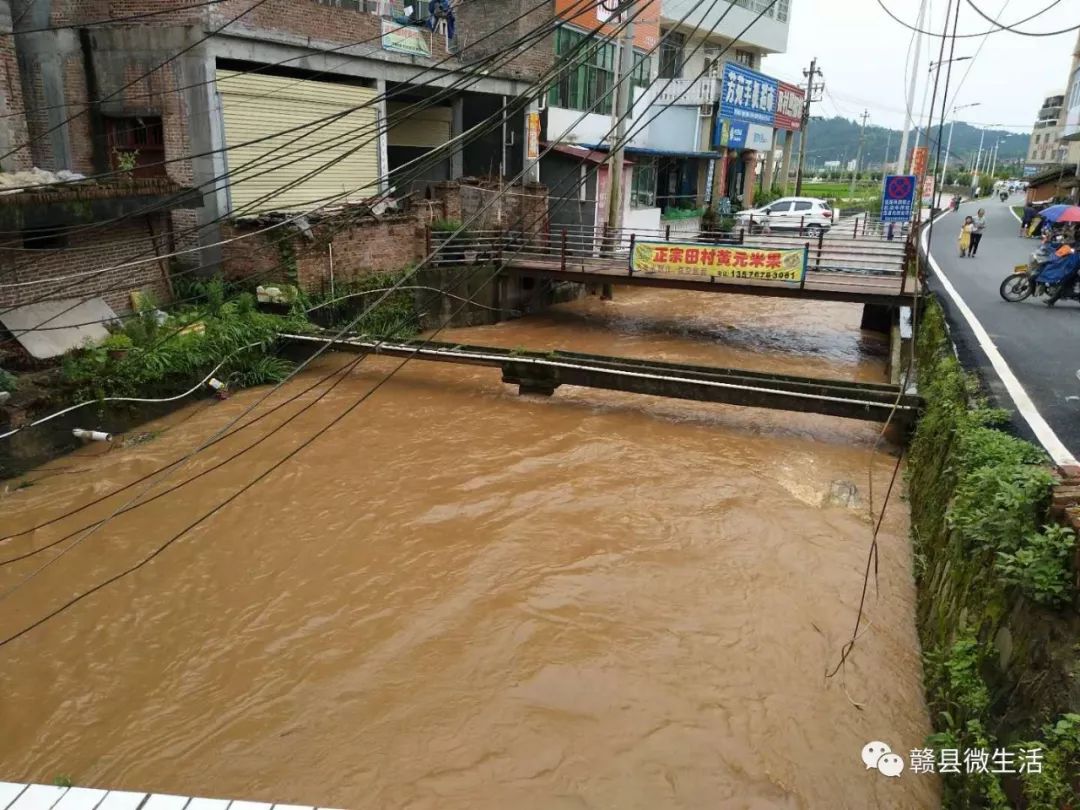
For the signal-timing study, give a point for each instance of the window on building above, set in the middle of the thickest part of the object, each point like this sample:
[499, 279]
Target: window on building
[672, 44]
[587, 83]
[782, 9]
[136, 144]
[643, 183]
[642, 76]
[713, 61]
[744, 57]
[371, 6]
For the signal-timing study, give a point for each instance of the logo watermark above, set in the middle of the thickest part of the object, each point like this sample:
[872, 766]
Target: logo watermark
[879, 756]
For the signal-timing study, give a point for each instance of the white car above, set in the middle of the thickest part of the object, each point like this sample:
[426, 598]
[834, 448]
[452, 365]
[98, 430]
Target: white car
[813, 214]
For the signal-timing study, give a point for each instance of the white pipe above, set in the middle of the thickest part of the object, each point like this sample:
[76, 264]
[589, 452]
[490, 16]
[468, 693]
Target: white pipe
[91, 435]
[190, 391]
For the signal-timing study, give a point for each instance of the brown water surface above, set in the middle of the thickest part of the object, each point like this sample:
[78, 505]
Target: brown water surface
[463, 598]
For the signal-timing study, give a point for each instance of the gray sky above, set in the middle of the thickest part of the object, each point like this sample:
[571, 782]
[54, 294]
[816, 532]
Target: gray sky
[862, 52]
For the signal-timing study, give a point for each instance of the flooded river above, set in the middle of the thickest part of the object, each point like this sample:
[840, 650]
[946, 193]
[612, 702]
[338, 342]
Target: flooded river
[463, 598]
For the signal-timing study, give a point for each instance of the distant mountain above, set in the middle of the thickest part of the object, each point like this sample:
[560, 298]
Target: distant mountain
[838, 139]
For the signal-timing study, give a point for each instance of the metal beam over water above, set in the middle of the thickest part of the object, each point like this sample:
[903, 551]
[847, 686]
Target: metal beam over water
[544, 372]
[18, 796]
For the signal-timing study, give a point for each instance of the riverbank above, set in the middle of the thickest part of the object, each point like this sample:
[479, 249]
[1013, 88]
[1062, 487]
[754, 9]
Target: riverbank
[468, 598]
[997, 598]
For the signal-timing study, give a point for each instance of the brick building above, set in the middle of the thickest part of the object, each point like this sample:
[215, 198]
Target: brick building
[259, 105]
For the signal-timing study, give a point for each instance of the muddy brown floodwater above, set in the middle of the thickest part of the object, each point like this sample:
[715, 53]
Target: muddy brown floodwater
[463, 598]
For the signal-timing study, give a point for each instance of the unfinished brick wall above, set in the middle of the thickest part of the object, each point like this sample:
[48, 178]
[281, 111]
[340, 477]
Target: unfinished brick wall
[12, 116]
[360, 248]
[94, 254]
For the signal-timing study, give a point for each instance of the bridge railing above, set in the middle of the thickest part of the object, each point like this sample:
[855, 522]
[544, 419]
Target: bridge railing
[585, 247]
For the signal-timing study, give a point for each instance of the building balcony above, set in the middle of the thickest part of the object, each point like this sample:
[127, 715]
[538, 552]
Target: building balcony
[769, 34]
[688, 92]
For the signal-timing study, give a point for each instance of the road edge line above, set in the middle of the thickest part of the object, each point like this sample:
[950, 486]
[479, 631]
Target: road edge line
[1053, 446]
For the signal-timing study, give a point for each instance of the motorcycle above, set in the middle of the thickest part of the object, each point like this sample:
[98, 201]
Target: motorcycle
[1043, 275]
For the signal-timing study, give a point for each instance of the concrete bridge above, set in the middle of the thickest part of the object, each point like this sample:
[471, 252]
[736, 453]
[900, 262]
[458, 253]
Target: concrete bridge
[543, 372]
[850, 266]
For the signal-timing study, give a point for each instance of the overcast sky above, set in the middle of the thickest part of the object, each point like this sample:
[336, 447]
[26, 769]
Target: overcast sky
[862, 51]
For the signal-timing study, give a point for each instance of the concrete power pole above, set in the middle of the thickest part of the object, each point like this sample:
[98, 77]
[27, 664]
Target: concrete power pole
[978, 160]
[885, 157]
[858, 153]
[909, 121]
[993, 160]
[623, 105]
[804, 126]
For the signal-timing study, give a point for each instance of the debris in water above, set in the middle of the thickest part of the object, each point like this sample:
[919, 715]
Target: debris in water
[842, 493]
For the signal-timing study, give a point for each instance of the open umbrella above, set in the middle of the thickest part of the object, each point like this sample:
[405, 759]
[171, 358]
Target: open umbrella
[1053, 213]
[1070, 214]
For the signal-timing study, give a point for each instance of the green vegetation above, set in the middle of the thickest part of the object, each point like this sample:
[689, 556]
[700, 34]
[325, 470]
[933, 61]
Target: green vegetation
[8, 381]
[146, 356]
[393, 317]
[988, 577]
[62, 780]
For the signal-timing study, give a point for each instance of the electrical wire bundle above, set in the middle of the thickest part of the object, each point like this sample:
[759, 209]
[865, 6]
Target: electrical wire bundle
[506, 258]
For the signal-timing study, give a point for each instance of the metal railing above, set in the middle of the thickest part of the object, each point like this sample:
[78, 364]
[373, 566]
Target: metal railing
[585, 247]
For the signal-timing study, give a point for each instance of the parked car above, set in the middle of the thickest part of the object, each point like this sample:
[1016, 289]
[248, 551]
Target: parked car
[812, 214]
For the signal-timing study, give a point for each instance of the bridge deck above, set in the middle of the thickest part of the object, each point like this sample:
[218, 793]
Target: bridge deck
[865, 270]
[17, 796]
[543, 372]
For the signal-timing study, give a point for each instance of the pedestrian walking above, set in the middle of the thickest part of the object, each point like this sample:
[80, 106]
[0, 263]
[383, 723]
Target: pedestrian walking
[965, 236]
[978, 225]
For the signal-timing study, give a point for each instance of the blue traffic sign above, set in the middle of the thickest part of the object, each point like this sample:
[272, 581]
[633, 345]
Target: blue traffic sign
[898, 198]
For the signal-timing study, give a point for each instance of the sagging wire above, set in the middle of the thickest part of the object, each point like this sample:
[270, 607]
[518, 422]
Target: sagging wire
[872, 557]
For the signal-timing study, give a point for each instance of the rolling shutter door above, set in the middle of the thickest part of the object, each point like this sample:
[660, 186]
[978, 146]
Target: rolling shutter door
[256, 106]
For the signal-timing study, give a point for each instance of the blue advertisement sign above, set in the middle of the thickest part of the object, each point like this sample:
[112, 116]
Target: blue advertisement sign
[898, 198]
[747, 94]
[1031, 169]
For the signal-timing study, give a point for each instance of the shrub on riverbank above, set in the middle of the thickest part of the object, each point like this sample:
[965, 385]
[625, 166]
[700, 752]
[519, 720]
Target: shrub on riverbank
[149, 357]
[995, 591]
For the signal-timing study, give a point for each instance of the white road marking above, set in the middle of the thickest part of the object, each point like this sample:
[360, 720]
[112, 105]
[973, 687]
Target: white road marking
[1054, 447]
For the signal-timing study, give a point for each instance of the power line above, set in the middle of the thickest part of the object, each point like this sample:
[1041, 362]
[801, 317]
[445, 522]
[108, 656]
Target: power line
[389, 376]
[468, 136]
[541, 79]
[980, 33]
[134, 81]
[1011, 29]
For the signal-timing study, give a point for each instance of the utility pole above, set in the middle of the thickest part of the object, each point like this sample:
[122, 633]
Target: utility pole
[978, 160]
[804, 126]
[623, 104]
[993, 162]
[858, 153]
[901, 160]
[885, 158]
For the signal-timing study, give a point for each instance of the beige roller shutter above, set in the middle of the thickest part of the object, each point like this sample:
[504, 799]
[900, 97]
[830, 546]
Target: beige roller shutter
[267, 176]
[429, 127]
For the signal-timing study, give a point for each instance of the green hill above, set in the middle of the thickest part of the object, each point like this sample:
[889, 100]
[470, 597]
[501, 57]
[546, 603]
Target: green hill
[838, 139]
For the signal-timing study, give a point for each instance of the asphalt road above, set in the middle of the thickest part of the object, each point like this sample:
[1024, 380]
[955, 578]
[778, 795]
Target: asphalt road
[1040, 345]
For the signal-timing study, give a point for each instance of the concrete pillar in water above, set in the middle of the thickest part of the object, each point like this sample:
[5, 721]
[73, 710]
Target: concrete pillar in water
[877, 318]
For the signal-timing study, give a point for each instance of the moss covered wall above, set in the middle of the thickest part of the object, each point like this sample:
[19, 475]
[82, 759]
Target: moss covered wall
[996, 612]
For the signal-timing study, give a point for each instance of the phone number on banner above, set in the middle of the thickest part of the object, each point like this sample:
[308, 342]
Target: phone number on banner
[735, 263]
